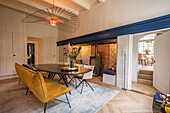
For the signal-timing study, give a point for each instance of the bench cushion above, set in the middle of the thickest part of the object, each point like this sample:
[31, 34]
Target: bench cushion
[109, 71]
[54, 89]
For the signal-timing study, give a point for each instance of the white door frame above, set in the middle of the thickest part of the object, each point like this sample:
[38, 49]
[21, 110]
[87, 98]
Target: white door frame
[124, 64]
[36, 50]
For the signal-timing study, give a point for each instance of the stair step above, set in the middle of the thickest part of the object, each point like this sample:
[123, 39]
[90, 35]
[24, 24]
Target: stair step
[144, 76]
[146, 72]
[143, 81]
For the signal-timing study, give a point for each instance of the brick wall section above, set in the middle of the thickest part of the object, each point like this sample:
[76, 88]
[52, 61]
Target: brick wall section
[108, 54]
[93, 50]
[103, 50]
[112, 55]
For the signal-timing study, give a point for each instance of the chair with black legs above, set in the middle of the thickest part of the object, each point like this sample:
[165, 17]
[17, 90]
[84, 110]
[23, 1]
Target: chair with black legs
[83, 78]
[72, 78]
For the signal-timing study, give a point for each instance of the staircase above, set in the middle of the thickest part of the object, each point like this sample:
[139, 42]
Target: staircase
[145, 77]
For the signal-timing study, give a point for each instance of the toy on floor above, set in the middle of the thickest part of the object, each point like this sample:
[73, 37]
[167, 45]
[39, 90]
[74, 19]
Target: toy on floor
[166, 102]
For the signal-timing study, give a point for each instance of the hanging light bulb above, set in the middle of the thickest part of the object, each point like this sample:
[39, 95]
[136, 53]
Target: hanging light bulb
[148, 41]
[53, 22]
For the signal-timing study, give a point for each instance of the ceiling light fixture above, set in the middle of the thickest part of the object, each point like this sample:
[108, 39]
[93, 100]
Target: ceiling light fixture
[53, 22]
[148, 41]
[62, 19]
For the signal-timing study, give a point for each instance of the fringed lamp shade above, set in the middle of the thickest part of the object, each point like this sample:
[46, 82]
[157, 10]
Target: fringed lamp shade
[53, 22]
[56, 17]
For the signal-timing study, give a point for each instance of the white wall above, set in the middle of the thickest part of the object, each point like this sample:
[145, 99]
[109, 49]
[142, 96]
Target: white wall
[113, 13]
[125, 46]
[41, 31]
[13, 38]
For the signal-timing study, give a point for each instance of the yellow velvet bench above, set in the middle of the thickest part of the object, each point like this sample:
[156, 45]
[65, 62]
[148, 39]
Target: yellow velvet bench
[44, 89]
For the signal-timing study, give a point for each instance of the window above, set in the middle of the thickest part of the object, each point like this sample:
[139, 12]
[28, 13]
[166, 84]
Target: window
[144, 47]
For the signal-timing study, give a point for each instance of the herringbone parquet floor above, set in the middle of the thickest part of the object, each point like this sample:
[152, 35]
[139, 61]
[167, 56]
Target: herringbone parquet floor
[128, 101]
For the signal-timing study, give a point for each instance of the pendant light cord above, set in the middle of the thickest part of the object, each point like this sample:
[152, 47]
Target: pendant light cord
[53, 9]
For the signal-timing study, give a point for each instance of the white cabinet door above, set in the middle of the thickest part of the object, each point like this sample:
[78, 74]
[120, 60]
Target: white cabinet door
[49, 50]
[9, 54]
[3, 53]
[19, 48]
[161, 78]
[6, 58]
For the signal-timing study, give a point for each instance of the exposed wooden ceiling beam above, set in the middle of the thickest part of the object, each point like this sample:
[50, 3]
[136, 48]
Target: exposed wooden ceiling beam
[58, 4]
[16, 7]
[81, 4]
[21, 8]
[38, 6]
[101, 1]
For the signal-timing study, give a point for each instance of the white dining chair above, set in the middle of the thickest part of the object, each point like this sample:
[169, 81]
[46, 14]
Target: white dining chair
[83, 77]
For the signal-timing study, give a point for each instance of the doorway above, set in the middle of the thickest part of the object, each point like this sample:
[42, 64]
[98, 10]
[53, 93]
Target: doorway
[144, 66]
[146, 59]
[146, 52]
[30, 53]
[143, 62]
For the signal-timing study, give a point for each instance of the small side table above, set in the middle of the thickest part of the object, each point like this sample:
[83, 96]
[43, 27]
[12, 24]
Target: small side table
[157, 106]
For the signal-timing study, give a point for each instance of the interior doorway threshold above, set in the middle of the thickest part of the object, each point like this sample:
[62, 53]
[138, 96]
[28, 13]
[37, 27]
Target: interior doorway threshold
[141, 93]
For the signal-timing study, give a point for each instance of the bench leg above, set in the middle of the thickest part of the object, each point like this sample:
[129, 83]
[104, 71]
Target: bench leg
[68, 100]
[26, 91]
[19, 81]
[45, 106]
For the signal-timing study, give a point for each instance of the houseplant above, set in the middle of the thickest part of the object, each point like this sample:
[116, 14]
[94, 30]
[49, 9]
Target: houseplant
[71, 52]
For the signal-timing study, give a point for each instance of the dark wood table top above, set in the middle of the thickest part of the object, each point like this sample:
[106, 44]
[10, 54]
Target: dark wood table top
[55, 68]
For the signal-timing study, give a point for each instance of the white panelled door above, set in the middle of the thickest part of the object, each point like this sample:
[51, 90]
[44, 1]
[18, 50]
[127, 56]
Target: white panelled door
[161, 78]
[6, 59]
[49, 50]
[18, 49]
[12, 47]
[9, 54]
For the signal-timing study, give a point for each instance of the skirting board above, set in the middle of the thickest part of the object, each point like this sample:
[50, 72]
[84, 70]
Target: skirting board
[8, 76]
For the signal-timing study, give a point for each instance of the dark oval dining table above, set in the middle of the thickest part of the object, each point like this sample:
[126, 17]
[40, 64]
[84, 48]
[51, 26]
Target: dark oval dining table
[54, 69]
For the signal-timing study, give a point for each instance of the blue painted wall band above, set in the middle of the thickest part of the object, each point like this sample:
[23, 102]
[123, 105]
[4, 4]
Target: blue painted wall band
[157, 23]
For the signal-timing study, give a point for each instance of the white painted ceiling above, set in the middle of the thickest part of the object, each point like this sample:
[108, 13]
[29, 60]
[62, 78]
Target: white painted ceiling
[30, 6]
